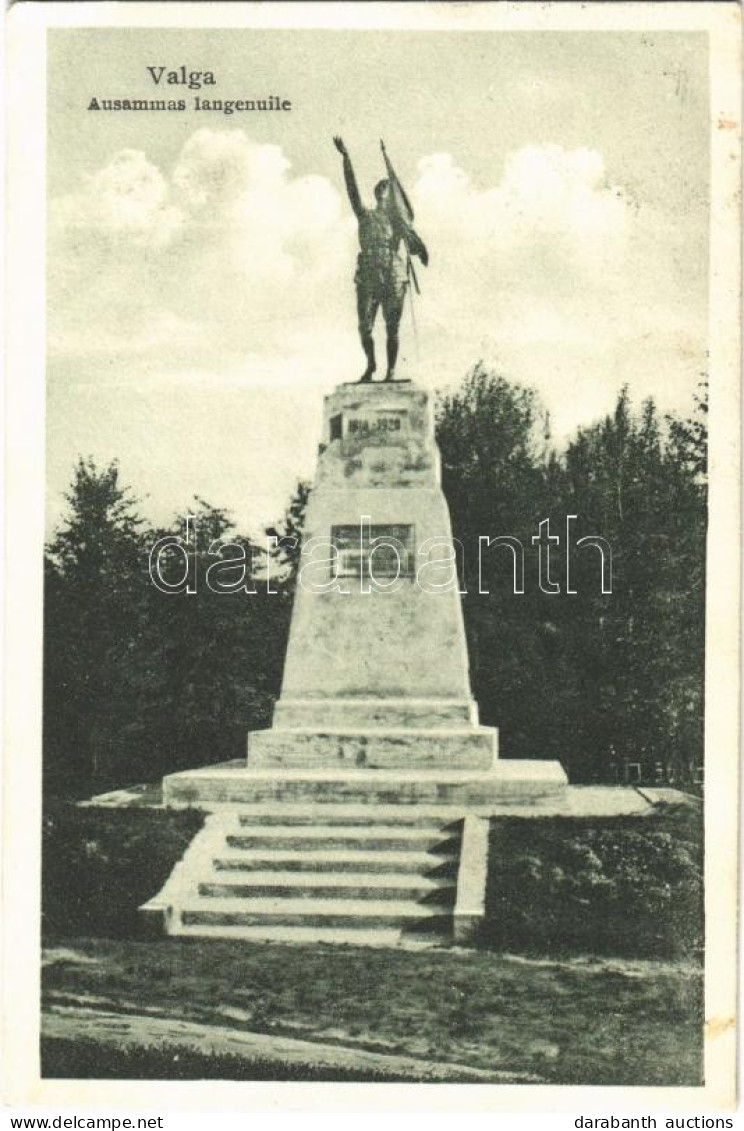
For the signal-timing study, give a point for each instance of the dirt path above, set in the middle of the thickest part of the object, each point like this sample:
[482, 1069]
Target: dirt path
[133, 1030]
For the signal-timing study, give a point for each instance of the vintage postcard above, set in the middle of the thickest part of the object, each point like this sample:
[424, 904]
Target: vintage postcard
[372, 649]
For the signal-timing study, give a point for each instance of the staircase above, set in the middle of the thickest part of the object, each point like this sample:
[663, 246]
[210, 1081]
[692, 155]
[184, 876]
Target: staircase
[359, 874]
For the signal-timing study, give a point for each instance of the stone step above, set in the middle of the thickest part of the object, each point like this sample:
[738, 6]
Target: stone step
[345, 885]
[439, 897]
[293, 912]
[328, 812]
[351, 817]
[374, 830]
[252, 880]
[322, 861]
[337, 936]
[359, 908]
[377, 837]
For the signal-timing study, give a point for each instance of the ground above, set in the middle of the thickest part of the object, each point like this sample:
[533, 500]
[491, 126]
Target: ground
[189, 1008]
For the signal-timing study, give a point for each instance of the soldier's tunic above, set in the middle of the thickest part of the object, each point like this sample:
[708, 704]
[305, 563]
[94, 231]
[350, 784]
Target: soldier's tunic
[381, 277]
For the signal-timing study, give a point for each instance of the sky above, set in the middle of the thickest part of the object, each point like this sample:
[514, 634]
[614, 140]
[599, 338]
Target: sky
[200, 266]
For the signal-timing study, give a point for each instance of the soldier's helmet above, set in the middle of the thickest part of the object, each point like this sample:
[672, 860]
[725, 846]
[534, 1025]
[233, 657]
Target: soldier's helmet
[381, 188]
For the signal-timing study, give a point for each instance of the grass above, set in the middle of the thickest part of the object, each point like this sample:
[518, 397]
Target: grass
[83, 1059]
[580, 1021]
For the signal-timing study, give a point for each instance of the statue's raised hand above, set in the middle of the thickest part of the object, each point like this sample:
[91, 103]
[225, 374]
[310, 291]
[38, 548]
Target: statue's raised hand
[339, 143]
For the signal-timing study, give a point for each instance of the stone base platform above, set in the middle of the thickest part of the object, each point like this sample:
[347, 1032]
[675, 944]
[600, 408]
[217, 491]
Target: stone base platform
[233, 783]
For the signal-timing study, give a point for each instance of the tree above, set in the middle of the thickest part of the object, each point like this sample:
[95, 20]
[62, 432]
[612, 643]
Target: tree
[141, 682]
[288, 537]
[689, 437]
[593, 679]
[494, 476]
[216, 645]
[93, 611]
[633, 647]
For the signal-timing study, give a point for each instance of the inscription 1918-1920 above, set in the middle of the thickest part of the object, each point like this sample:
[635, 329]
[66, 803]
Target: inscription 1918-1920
[365, 427]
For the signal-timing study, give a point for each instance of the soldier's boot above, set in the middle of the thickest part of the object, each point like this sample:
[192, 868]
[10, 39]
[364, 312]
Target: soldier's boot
[392, 354]
[369, 349]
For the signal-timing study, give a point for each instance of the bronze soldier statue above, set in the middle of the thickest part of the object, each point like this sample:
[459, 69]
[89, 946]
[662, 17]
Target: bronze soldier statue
[382, 275]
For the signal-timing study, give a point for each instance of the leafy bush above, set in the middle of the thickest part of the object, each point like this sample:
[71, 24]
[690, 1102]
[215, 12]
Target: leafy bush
[619, 886]
[100, 865]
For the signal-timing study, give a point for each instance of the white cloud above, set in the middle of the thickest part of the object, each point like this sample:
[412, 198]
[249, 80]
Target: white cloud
[240, 197]
[227, 249]
[129, 198]
[544, 189]
[551, 228]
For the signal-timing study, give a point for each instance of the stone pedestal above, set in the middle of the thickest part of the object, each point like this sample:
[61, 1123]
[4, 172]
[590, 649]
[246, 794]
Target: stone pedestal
[377, 669]
[376, 676]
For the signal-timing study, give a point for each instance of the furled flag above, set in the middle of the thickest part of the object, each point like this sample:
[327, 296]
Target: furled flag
[402, 205]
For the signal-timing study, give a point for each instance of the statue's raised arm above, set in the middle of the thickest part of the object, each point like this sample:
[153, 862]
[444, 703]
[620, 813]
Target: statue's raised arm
[351, 185]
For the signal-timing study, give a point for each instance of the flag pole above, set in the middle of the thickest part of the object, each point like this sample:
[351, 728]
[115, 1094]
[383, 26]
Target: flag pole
[412, 273]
